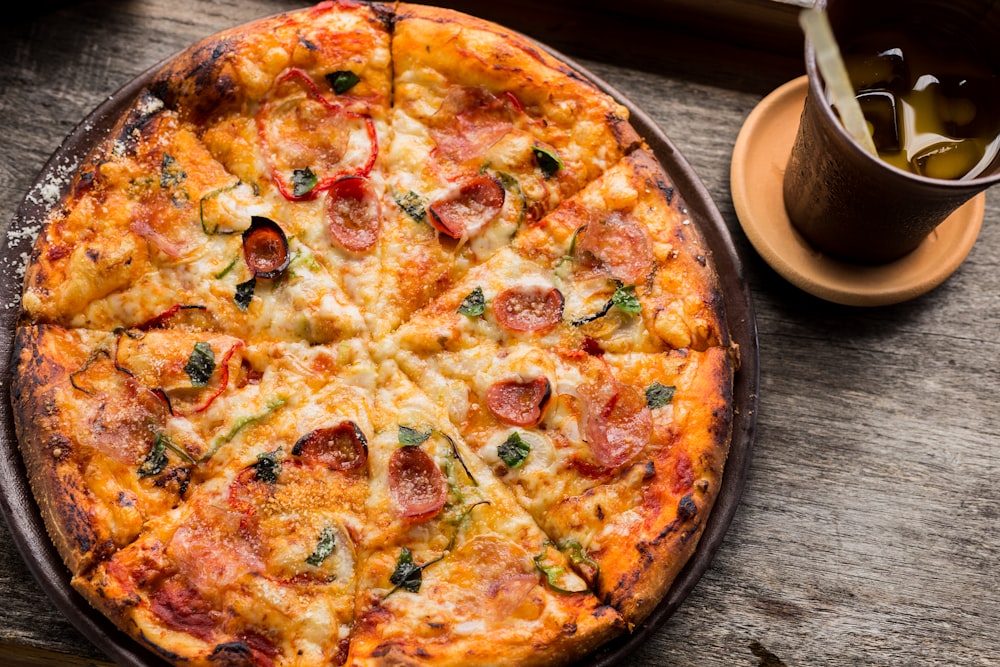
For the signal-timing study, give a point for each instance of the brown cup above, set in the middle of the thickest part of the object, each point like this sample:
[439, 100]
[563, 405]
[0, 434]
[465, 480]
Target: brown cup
[845, 201]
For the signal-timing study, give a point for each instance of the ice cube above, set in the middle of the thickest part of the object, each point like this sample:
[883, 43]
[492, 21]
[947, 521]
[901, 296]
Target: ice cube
[886, 70]
[958, 101]
[947, 159]
[880, 110]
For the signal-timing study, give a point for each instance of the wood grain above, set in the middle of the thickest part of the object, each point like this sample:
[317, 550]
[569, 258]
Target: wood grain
[868, 532]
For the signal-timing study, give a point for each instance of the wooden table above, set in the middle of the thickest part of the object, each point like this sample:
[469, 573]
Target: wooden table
[868, 530]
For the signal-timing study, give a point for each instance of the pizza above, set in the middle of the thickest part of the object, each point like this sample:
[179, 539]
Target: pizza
[373, 334]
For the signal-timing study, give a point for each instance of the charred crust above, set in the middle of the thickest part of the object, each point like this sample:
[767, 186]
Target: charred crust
[166, 654]
[397, 654]
[626, 136]
[200, 82]
[687, 508]
[384, 15]
[232, 654]
[667, 189]
[138, 122]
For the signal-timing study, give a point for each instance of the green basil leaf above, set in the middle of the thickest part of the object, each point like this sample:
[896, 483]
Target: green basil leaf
[626, 301]
[244, 294]
[303, 180]
[324, 547]
[411, 437]
[474, 304]
[413, 205]
[547, 160]
[342, 80]
[201, 364]
[156, 460]
[268, 467]
[658, 395]
[407, 575]
[514, 450]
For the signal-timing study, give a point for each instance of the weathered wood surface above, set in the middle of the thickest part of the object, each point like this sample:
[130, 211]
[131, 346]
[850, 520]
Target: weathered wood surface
[868, 531]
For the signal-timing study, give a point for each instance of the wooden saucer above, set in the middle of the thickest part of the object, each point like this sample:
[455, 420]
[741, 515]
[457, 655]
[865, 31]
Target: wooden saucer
[758, 167]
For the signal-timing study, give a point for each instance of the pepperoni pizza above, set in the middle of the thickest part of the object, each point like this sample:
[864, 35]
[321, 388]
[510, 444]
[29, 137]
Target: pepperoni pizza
[375, 335]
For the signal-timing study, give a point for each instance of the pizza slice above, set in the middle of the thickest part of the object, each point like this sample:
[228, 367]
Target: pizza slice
[96, 442]
[160, 225]
[225, 398]
[629, 234]
[511, 299]
[615, 268]
[297, 106]
[259, 567]
[258, 563]
[452, 566]
[618, 457]
[123, 423]
[489, 132]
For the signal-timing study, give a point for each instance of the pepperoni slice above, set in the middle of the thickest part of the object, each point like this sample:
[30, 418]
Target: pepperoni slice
[247, 492]
[531, 309]
[353, 213]
[619, 246]
[470, 121]
[519, 403]
[416, 486]
[265, 248]
[615, 421]
[160, 321]
[181, 608]
[341, 447]
[468, 209]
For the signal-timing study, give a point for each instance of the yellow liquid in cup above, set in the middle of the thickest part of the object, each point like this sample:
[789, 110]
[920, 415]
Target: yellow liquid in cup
[932, 112]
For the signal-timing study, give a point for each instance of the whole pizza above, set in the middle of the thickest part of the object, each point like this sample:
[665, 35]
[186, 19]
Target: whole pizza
[373, 334]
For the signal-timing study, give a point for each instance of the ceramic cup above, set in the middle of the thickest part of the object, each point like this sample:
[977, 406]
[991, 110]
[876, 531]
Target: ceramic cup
[848, 203]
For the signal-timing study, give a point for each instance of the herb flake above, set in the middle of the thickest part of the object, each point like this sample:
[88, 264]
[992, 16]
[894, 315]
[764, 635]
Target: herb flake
[547, 160]
[474, 304]
[268, 467]
[325, 546]
[303, 180]
[514, 450]
[156, 460]
[201, 364]
[626, 301]
[244, 294]
[411, 437]
[407, 574]
[342, 80]
[413, 205]
[170, 172]
[658, 395]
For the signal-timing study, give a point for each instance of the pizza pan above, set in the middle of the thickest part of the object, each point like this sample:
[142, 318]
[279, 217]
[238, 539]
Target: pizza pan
[22, 513]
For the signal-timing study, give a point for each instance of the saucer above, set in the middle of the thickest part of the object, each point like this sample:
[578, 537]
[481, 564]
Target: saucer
[758, 167]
